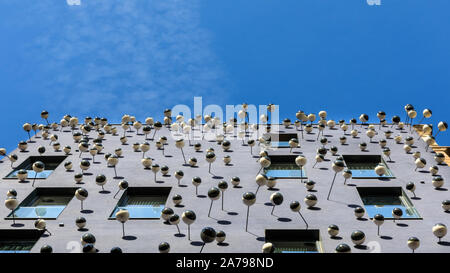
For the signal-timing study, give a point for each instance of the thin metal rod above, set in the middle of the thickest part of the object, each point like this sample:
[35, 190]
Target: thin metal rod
[202, 247]
[332, 183]
[210, 207]
[183, 155]
[189, 232]
[246, 222]
[303, 219]
[272, 210]
[116, 193]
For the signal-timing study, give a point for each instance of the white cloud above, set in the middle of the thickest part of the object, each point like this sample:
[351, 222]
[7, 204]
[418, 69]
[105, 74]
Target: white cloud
[133, 56]
[73, 2]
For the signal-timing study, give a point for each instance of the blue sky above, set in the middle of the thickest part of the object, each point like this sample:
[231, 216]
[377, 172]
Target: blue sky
[107, 58]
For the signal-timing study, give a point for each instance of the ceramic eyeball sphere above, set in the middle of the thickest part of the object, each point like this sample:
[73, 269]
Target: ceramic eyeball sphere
[192, 161]
[434, 170]
[22, 175]
[439, 230]
[310, 185]
[220, 236]
[333, 230]
[413, 243]
[310, 200]
[80, 222]
[407, 148]
[268, 248]
[235, 181]
[446, 205]
[358, 237]
[164, 247]
[343, 248]
[359, 212]
[249, 198]
[166, 213]
[88, 238]
[438, 181]
[214, 193]
[380, 169]
[439, 158]
[177, 199]
[227, 159]
[11, 193]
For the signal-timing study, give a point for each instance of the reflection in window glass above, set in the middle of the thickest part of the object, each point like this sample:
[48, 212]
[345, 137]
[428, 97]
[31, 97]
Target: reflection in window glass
[142, 206]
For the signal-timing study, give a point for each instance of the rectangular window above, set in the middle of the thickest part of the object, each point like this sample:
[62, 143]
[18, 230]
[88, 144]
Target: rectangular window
[363, 166]
[280, 140]
[283, 166]
[46, 203]
[51, 163]
[18, 241]
[143, 202]
[382, 200]
[294, 240]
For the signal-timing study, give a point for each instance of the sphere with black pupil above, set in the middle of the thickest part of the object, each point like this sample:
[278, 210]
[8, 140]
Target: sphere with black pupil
[434, 170]
[310, 200]
[214, 193]
[46, 249]
[88, 238]
[378, 219]
[235, 181]
[166, 213]
[38, 166]
[11, 193]
[208, 235]
[81, 194]
[84, 164]
[249, 198]
[323, 141]
[222, 185]
[446, 205]
[196, 181]
[188, 217]
[123, 185]
[179, 173]
[22, 174]
[413, 243]
[343, 248]
[358, 237]
[44, 114]
[322, 151]
[164, 169]
[197, 146]
[80, 222]
[310, 185]
[410, 186]
[89, 248]
[226, 145]
[276, 199]
[439, 230]
[334, 149]
[220, 236]
[333, 230]
[395, 119]
[210, 157]
[78, 177]
[164, 247]
[338, 166]
[268, 248]
[295, 206]
[68, 165]
[177, 199]
[100, 179]
[397, 213]
[116, 250]
[174, 219]
[359, 212]
[438, 181]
